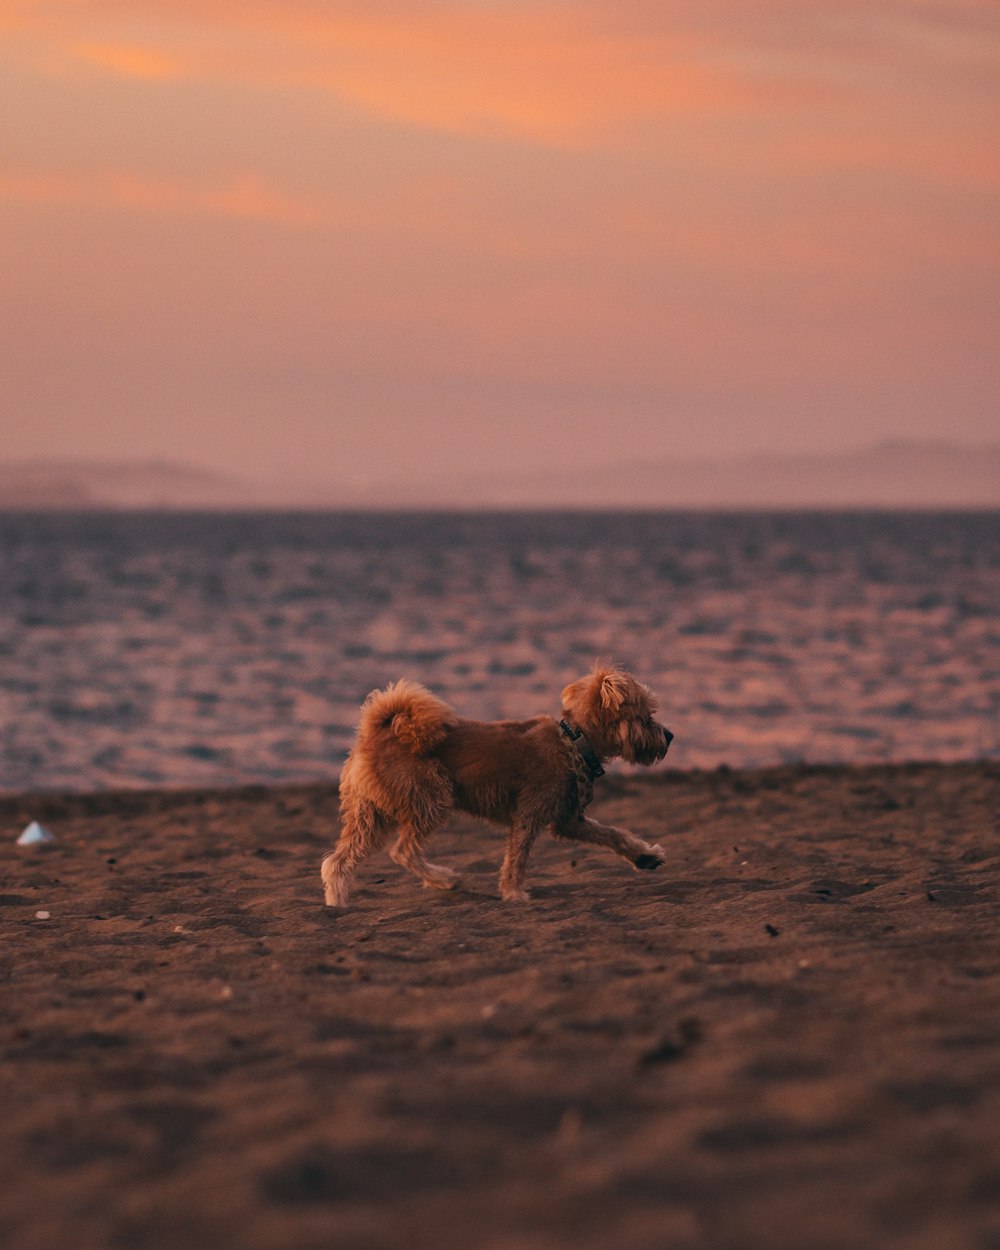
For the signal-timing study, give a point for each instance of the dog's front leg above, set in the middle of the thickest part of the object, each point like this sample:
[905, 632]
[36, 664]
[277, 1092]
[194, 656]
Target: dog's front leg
[512, 871]
[638, 853]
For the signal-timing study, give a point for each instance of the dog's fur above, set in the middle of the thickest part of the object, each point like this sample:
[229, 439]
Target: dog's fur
[414, 761]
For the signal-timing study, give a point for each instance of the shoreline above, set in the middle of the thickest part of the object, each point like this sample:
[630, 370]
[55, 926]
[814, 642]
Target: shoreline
[12, 798]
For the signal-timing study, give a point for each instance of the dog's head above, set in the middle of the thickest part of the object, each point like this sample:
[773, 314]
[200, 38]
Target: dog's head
[618, 715]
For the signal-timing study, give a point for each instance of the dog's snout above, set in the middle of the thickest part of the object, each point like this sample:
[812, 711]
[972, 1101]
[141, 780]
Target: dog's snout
[668, 737]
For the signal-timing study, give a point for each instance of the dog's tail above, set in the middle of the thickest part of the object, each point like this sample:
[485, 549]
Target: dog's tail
[407, 712]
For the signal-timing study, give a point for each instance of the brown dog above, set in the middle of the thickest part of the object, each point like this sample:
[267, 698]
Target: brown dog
[414, 761]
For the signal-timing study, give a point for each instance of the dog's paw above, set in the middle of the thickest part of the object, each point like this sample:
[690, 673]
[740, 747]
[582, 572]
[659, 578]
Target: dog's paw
[650, 859]
[442, 879]
[336, 888]
[511, 895]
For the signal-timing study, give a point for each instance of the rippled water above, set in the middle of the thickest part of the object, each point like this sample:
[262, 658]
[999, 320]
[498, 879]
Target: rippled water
[149, 649]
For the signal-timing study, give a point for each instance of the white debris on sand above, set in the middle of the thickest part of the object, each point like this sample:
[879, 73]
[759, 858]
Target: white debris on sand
[36, 835]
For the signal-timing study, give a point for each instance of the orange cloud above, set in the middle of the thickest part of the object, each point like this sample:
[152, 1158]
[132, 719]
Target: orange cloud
[528, 71]
[242, 198]
[130, 60]
[528, 79]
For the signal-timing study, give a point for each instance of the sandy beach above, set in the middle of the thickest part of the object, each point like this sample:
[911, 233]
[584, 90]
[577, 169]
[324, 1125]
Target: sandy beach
[788, 1037]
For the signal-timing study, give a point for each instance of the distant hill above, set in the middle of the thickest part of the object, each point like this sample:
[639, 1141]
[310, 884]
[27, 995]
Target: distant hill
[900, 474]
[897, 474]
[886, 475]
[68, 484]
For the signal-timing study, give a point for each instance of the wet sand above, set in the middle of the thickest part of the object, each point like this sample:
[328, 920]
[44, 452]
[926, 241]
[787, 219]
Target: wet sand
[789, 1037]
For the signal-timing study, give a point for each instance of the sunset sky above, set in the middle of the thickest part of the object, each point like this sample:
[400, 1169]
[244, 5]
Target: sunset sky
[333, 240]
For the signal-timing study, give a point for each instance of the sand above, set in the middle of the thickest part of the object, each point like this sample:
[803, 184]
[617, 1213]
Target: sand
[789, 1037]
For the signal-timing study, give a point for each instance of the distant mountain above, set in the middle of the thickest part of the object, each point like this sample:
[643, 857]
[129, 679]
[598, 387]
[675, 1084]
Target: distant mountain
[888, 474]
[900, 474]
[59, 483]
[897, 474]
[893, 474]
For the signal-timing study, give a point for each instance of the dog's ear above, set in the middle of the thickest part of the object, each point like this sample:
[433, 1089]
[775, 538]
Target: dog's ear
[612, 687]
[572, 692]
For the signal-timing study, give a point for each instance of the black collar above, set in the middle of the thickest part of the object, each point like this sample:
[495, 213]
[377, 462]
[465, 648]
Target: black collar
[579, 740]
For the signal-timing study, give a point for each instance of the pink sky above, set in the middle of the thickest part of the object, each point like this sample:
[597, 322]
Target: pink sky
[329, 239]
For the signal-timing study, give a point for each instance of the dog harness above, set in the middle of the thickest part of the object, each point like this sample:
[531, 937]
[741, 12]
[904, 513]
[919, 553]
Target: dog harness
[584, 764]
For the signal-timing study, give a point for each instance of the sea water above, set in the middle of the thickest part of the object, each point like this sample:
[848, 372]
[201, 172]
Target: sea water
[149, 649]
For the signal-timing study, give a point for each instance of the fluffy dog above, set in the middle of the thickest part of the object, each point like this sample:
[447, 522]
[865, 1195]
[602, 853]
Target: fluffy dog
[414, 761]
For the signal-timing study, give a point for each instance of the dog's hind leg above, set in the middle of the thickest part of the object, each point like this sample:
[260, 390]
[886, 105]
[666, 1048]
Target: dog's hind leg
[409, 853]
[512, 872]
[363, 830]
[638, 853]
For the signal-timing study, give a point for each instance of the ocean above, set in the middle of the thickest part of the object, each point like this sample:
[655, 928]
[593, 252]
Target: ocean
[194, 649]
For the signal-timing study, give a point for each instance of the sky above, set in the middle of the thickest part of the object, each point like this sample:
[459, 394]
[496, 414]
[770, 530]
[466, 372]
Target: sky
[349, 241]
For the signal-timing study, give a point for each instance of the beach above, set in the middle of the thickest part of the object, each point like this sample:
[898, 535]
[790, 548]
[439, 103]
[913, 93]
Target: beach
[787, 1037]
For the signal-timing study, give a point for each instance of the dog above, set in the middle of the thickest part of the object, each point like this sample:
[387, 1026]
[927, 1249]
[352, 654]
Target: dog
[414, 761]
